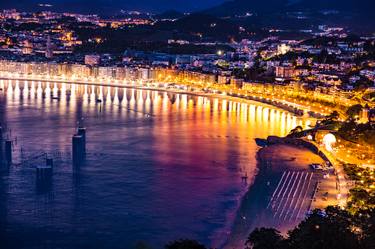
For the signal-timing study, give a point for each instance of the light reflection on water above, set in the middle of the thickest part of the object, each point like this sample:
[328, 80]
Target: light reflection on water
[160, 166]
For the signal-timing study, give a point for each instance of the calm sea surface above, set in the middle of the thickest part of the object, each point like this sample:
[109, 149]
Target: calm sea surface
[159, 166]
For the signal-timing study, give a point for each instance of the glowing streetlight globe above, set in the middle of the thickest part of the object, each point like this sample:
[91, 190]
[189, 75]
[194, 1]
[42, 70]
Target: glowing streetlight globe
[329, 140]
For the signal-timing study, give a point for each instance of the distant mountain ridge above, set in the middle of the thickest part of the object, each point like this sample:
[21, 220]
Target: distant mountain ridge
[239, 7]
[203, 24]
[170, 14]
[341, 5]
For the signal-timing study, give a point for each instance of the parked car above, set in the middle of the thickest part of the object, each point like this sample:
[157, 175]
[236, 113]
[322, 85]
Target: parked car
[328, 164]
[316, 166]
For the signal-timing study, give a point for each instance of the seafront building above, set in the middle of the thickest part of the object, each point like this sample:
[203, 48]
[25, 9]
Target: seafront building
[293, 95]
[65, 71]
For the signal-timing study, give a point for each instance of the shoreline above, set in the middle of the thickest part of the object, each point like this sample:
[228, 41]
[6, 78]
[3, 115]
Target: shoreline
[280, 195]
[237, 99]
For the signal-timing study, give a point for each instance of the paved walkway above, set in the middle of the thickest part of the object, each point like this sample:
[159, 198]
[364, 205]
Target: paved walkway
[338, 181]
[292, 197]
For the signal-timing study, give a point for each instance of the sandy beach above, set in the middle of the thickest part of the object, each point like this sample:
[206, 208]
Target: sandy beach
[281, 193]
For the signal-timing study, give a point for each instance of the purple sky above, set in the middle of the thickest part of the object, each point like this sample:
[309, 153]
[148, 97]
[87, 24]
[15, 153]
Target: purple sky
[151, 5]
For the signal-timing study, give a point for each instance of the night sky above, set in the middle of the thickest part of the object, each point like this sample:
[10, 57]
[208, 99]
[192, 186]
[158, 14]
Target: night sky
[102, 5]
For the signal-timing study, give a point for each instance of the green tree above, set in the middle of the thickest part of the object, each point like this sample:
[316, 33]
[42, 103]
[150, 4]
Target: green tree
[184, 244]
[366, 223]
[295, 131]
[334, 116]
[319, 231]
[354, 111]
[332, 229]
[331, 120]
[264, 238]
[142, 245]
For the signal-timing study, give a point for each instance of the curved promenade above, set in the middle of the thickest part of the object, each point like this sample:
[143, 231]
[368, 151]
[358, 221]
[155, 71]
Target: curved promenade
[299, 111]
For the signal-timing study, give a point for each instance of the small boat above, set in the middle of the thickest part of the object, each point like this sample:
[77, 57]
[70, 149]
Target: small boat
[56, 98]
[99, 101]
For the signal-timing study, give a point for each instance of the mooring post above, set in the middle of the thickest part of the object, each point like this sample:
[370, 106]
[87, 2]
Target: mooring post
[8, 151]
[49, 162]
[1, 146]
[82, 132]
[77, 149]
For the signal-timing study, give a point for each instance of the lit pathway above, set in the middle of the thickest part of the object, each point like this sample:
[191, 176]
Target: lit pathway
[343, 185]
[293, 195]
